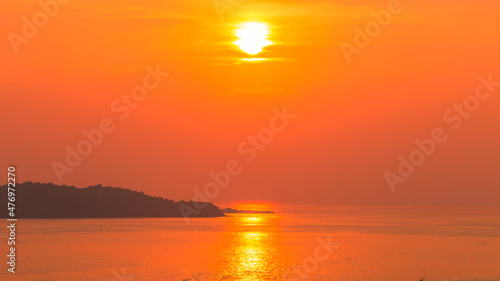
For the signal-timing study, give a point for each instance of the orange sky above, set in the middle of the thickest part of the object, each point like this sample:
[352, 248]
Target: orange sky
[352, 121]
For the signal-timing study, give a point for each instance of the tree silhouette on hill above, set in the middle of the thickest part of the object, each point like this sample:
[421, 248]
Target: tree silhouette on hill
[47, 200]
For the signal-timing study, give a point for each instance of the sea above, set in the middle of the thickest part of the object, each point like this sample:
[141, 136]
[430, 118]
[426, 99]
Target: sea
[295, 243]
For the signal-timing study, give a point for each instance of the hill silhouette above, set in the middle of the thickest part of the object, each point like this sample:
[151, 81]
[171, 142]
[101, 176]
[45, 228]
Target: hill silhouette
[47, 200]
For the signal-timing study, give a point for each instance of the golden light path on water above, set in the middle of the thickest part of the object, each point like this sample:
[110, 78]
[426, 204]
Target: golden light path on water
[254, 251]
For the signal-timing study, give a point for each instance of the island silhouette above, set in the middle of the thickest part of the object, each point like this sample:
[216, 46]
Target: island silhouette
[234, 211]
[48, 200]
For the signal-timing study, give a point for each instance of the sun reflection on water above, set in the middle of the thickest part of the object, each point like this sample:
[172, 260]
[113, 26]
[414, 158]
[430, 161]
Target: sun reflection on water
[253, 248]
[251, 220]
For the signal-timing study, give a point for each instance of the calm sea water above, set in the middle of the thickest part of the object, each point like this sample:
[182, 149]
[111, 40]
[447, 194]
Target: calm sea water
[372, 244]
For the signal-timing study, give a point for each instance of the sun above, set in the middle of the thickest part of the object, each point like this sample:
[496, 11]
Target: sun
[253, 37]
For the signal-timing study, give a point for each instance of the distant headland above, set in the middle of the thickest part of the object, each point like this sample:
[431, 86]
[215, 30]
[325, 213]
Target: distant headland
[234, 211]
[51, 201]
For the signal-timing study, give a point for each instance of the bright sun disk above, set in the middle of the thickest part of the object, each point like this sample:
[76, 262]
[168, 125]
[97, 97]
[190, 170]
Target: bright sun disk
[253, 37]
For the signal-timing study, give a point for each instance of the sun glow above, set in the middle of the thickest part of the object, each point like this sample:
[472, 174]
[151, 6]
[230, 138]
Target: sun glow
[253, 37]
[263, 206]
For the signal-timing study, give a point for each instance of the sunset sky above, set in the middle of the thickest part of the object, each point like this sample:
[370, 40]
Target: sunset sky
[352, 122]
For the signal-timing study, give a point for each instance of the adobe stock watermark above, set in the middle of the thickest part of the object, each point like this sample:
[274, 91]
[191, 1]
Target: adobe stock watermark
[310, 264]
[249, 149]
[121, 107]
[224, 6]
[372, 29]
[454, 117]
[121, 276]
[48, 9]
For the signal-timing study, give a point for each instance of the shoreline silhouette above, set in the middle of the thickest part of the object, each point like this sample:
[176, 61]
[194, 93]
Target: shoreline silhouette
[51, 201]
